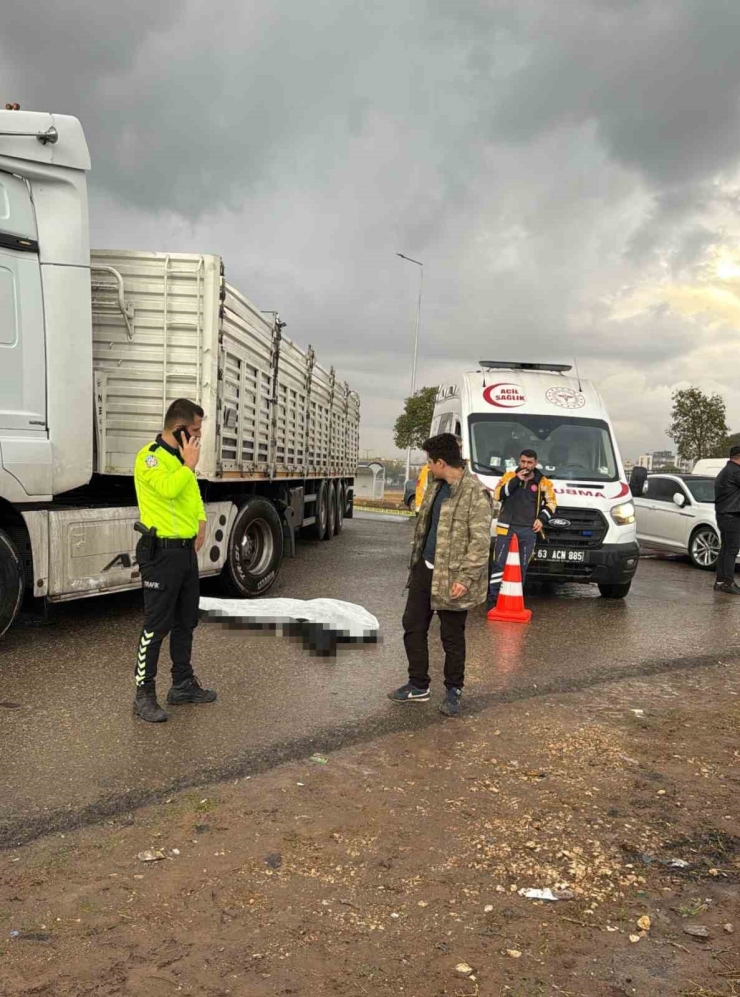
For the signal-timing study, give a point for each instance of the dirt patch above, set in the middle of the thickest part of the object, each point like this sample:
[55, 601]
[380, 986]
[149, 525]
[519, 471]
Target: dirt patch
[397, 867]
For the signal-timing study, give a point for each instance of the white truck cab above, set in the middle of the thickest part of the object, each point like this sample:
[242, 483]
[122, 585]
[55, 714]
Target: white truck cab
[506, 407]
[45, 307]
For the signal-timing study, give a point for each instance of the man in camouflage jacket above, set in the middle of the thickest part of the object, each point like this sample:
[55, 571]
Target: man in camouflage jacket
[449, 570]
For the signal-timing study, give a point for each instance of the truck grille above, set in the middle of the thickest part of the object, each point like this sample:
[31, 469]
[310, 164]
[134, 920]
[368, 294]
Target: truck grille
[587, 528]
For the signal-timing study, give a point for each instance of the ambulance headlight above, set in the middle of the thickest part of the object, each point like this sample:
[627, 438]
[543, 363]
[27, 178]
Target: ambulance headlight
[624, 514]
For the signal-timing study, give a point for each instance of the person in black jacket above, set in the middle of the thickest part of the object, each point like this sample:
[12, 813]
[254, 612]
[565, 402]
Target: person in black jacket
[727, 508]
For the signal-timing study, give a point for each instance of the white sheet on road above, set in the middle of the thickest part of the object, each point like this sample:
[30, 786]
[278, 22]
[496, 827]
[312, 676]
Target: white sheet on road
[340, 622]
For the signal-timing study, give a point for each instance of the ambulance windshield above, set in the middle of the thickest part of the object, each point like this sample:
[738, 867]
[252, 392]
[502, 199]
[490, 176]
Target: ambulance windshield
[576, 449]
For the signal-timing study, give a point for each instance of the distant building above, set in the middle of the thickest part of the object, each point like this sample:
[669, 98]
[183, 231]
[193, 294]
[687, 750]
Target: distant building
[658, 459]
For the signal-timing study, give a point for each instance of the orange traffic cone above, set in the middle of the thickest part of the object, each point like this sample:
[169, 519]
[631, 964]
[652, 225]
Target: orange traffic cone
[510, 603]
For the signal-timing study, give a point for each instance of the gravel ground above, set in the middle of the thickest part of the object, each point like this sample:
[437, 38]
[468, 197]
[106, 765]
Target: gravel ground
[396, 866]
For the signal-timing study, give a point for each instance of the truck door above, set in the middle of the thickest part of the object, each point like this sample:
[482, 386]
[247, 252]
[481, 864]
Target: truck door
[22, 352]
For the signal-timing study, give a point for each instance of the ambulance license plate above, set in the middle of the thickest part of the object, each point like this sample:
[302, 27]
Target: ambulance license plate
[559, 554]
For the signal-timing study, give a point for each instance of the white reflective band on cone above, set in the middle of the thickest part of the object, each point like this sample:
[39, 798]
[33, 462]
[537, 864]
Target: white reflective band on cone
[511, 588]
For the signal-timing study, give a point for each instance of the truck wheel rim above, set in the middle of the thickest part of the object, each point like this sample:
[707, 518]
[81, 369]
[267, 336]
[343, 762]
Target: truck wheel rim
[256, 547]
[705, 548]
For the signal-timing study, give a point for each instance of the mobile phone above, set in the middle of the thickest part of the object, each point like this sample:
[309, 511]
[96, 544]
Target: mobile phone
[179, 433]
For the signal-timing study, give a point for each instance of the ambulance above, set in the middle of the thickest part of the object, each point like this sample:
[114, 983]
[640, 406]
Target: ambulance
[506, 407]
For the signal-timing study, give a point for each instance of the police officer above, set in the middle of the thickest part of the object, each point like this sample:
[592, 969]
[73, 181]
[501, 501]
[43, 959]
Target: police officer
[171, 510]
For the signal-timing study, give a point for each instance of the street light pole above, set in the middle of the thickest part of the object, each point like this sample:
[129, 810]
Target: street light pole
[416, 345]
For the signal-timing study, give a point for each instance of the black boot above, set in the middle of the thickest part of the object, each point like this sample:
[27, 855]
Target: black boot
[190, 691]
[146, 705]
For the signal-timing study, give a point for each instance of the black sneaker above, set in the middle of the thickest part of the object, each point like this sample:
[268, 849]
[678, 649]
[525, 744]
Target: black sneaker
[729, 588]
[190, 691]
[409, 694]
[146, 706]
[450, 705]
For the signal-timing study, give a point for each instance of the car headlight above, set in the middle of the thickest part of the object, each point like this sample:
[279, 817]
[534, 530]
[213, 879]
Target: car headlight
[623, 514]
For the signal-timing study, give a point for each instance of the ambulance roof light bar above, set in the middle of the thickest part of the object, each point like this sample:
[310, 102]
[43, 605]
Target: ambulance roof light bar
[558, 368]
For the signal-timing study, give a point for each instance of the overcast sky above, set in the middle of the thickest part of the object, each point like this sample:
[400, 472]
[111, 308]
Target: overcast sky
[567, 171]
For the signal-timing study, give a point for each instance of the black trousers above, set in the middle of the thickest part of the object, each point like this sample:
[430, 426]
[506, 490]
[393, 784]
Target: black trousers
[171, 595]
[729, 532]
[416, 622]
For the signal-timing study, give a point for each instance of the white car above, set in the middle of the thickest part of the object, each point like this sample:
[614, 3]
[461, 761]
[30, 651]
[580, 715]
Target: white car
[675, 512]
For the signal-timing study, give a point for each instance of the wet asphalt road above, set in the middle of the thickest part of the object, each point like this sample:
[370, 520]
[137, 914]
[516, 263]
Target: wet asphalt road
[72, 752]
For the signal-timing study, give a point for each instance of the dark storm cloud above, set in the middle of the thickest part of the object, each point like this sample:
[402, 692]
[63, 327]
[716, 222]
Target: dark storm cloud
[661, 79]
[201, 103]
[71, 44]
[555, 165]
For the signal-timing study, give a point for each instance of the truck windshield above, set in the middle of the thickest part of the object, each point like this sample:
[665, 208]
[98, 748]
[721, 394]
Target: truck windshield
[566, 447]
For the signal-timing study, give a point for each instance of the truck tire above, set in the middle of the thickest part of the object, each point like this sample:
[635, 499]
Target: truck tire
[341, 499]
[332, 513]
[317, 529]
[255, 550]
[12, 582]
[617, 590]
[704, 548]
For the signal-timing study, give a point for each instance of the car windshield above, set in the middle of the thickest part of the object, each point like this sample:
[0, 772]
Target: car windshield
[576, 449]
[702, 490]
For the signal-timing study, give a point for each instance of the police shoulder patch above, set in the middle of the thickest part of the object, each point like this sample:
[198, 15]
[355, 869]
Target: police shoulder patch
[151, 461]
